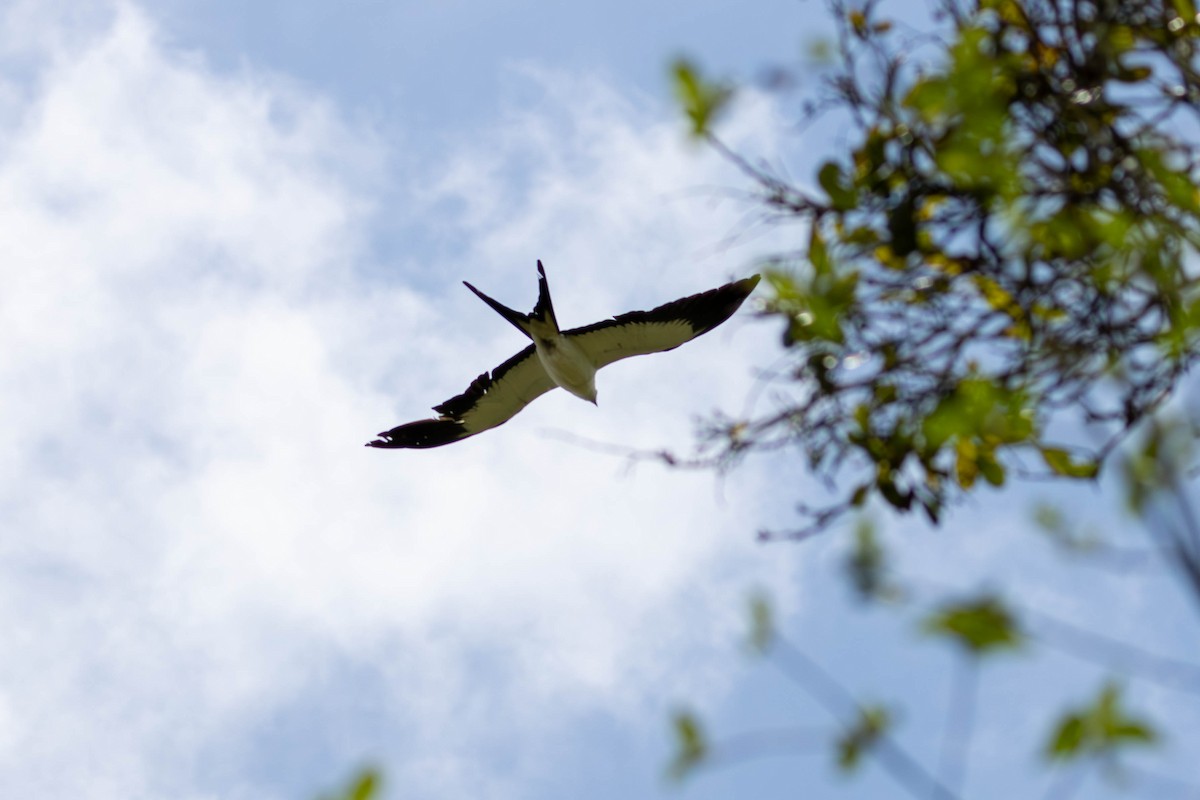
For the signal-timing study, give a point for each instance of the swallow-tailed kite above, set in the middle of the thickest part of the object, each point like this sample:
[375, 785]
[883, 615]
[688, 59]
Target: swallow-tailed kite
[564, 358]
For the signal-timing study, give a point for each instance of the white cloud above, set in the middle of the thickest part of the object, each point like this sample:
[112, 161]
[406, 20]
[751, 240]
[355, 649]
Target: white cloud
[195, 541]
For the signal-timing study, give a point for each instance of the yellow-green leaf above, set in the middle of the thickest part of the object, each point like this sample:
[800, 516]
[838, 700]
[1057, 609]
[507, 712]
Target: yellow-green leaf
[981, 626]
[691, 745]
[701, 100]
[871, 725]
[364, 786]
[1061, 463]
[1100, 728]
[762, 624]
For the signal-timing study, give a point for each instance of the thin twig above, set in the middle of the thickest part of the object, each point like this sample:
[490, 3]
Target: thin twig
[960, 720]
[1071, 778]
[765, 743]
[838, 701]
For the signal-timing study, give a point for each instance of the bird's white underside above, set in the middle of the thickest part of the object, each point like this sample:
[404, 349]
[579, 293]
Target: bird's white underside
[573, 355]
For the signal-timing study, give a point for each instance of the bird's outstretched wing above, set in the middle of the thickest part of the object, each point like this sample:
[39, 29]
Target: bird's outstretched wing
[489, 401]
[659, 329]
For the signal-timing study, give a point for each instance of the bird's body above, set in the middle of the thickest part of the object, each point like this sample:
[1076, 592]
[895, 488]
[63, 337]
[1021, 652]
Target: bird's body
[567, 359]
[566, 363]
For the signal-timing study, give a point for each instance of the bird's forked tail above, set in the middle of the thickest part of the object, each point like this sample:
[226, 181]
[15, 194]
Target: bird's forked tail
[543, 311]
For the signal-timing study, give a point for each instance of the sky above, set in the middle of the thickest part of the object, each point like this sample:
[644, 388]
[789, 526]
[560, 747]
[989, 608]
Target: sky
[231, 248]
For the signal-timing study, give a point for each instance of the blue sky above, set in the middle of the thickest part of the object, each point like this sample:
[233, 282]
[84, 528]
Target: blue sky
[232, 249]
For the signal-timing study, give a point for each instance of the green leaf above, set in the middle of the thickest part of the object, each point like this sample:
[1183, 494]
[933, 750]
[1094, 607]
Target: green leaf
[762, 624]
[990, 468]
[1099, 729]
[981, 626]
[858, 22]
[1135, 733]
[979, 410]
[1061, 463]
[872, 723]
[832, 180]
[1068, 737]
[818, 255]
[1176, 183]
[1155, 464]
[366, 787]
[929, 98]
[867, 564]
[691, 745]
[701, 100]
[996, 295]
[363, 786]
[966, 462]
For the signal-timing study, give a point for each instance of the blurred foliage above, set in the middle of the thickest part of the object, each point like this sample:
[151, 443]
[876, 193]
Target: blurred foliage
[1156, 464]
[1051, 521]
[994, 279]
[866, 566]
[702, 100]
[1005, 243]
[979, 626]
[1097, 732]
[762, 624]
[872, 723]
[1154, 473]
[364, 786]
[691, 747]
[1099, 729]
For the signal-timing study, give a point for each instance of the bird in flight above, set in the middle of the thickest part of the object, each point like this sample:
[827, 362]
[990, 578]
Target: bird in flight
[568, 359]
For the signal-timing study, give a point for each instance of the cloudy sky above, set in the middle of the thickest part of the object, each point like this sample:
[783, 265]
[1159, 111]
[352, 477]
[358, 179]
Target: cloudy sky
[231, 244]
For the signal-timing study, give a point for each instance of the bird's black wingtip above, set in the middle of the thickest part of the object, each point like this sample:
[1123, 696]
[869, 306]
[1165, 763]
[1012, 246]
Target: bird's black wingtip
[382, 441]
[746, 285]
[541, 269]
[421, 434]
[707, 310]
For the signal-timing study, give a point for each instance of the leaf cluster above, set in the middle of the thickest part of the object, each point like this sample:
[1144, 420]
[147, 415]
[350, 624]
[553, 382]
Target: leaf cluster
[1007, 242]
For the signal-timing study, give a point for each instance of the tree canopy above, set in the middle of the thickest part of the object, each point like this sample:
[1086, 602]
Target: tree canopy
[999, 278]
[1010, 238]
